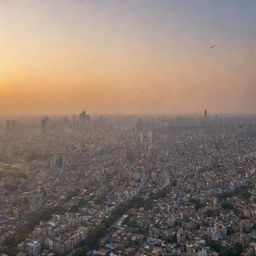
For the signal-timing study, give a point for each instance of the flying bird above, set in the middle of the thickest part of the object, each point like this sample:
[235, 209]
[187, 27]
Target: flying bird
[213, 46]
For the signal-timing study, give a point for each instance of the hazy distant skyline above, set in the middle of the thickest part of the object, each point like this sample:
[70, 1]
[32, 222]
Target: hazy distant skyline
[127, 56]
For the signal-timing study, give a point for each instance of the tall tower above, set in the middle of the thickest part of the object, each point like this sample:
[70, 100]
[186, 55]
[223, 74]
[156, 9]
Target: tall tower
[83, 116]
[43, 124]
[205, 114]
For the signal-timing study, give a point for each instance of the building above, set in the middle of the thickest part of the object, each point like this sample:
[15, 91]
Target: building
[83, 116]
[34, 248]
[8, 126]
[43, 124]
[205, 114]
[60, 162]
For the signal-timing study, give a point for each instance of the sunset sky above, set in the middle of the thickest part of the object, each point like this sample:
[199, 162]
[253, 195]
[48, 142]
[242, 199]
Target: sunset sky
[127, 56]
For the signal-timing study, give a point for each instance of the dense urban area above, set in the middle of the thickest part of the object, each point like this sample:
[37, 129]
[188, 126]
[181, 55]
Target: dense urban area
[128, 185]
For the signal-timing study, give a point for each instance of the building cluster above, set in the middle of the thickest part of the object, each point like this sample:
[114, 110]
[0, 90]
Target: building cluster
[170, 186]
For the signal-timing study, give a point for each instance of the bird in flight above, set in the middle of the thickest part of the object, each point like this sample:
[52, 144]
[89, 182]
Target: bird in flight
[213, 46]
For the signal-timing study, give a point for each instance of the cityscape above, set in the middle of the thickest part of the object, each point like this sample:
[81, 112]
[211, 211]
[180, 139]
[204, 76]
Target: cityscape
[128, 185]
[127, 128]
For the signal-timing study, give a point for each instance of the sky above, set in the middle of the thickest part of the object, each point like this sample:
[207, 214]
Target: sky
[127, 56]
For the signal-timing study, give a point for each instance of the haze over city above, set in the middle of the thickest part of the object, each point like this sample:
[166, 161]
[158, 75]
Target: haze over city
[132, 57]
[127, 128]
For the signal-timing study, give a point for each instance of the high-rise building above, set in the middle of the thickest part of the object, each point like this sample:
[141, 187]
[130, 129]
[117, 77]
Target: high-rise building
[8, 126]
[43, 125]
[83, 116]
[60, 162]
[11, 126]
[205, 114]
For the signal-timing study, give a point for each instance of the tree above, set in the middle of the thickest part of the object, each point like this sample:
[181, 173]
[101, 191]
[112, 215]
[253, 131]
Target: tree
[227, 205]
[234, 250]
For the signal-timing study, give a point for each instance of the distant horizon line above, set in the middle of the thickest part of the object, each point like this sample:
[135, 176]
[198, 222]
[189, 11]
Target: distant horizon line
[128, 114]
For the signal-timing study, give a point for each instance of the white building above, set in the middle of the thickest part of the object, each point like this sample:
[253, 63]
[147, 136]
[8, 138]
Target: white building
[34, 248]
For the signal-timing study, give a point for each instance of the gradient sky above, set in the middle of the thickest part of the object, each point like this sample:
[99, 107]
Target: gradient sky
[127, 56]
